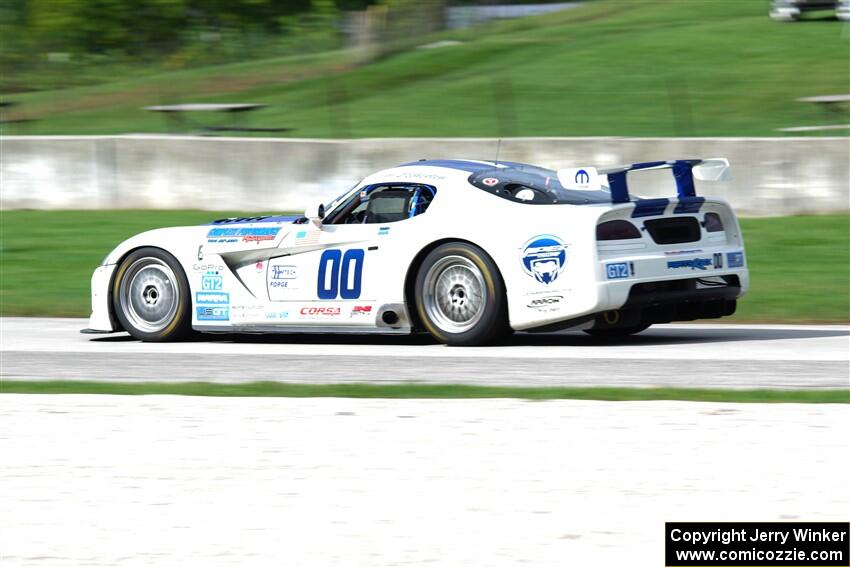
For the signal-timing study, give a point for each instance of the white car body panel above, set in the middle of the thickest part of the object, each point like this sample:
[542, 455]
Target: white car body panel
[265, 276]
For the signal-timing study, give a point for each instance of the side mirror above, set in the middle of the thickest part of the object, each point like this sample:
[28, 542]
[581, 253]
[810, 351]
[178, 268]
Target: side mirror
[315, 214]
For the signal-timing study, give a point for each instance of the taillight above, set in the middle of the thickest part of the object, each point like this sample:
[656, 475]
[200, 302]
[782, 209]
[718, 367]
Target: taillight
[712, 222]
[616, 230]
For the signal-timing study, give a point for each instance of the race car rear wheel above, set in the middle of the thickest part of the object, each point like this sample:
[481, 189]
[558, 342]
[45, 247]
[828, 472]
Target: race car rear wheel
[460, 296]
[150, 296]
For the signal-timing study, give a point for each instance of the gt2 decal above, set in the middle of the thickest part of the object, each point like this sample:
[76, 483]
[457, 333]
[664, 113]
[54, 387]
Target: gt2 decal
[212, 281]
[617, 271]
[340, 275]
[544, 258]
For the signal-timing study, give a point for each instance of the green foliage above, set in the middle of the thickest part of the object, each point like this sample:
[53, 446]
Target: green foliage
[609, 68]
[421, 391]
[799, 266]
[42, 38]
[145, 26]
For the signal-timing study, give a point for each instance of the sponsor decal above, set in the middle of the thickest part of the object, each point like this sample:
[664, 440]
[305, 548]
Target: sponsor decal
[212, 305]
[246, 312]
[212, 298]
[693, 263]
[383, 231]
[214, 268]
[233, 234]
[544, 257]
[735, 259]
[321, 311]
[549, 303]
[283, 276]
[275, 315]
[619, 270]
[582, 177]
[490, 181]
[212, 281]
[359, 310]
[212, 313]
[678, 252]
[419, 176]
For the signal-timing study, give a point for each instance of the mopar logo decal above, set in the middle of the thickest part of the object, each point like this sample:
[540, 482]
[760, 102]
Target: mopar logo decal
[544, 258]
[582, 177]
[694, 264]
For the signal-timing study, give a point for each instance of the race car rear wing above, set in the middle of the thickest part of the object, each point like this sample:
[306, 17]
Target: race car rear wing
[684, 172]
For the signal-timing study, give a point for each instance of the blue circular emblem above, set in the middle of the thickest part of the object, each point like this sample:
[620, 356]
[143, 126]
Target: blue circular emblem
[544, 258]
[582, 177]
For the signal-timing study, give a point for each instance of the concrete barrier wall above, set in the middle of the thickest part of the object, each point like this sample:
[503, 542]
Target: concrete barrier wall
[771, 176]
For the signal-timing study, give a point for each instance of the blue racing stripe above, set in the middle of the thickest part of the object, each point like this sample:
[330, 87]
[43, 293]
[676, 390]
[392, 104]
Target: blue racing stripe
[689, 205]
[650, 207]
[251, 220]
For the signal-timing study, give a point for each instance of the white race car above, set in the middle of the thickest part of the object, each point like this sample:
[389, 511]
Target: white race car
[465, 250]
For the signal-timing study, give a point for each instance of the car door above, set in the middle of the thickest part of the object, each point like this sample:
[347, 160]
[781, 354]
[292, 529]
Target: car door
[331, 273]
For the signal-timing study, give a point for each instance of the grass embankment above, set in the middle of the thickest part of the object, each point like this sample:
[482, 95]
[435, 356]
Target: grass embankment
[421, 391]
[636, 68]
[800, 266]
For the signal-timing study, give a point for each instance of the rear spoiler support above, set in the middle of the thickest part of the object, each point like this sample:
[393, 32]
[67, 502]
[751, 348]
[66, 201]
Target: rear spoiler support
[684, 171]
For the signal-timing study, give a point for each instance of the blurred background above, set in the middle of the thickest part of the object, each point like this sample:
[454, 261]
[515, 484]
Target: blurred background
[159, 108]
[380, 68]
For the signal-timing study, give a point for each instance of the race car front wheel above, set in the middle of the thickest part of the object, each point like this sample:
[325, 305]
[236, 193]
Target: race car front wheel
[150, 296]
[460, 296]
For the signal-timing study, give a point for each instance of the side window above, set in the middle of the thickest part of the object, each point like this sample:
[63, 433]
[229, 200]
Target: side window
[380, 204]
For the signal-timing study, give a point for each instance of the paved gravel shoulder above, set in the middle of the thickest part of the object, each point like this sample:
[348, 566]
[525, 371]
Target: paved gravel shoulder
[162, 481]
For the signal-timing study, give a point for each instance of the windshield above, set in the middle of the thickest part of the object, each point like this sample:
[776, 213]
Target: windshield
[534, 186]
[336, 202]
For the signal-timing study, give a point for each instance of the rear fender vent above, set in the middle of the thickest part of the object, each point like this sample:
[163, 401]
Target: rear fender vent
[673, 230]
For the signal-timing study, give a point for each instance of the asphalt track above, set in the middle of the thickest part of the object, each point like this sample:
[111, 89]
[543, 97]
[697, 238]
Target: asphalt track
[695, 356]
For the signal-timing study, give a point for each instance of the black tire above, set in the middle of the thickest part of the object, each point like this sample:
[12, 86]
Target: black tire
[616, 332]
[460, 296]
[151, 297]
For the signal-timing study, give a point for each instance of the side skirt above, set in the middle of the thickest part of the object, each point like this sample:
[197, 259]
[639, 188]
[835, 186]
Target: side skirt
[314, 329]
